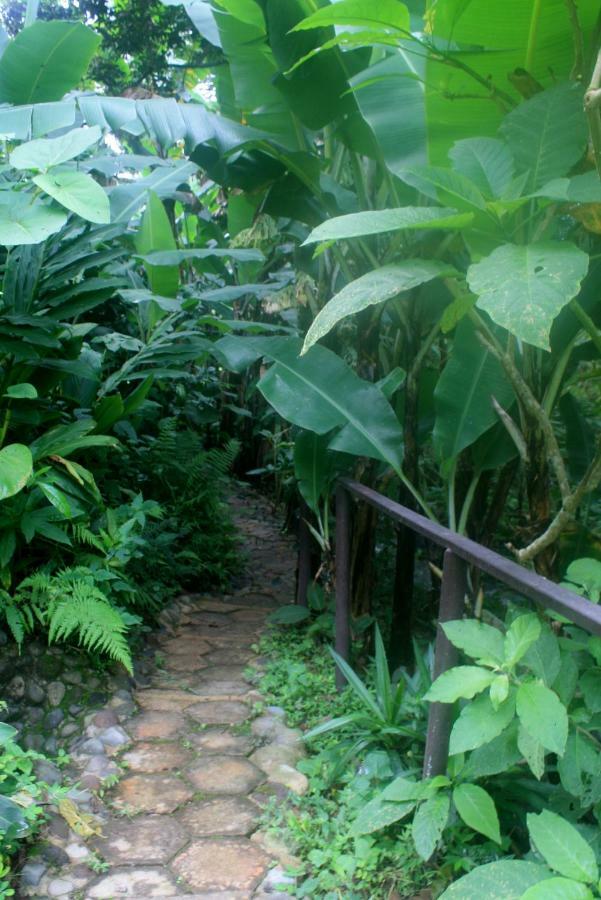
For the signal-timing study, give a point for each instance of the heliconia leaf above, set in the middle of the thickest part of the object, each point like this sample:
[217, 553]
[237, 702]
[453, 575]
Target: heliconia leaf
[155, 235]
[372, 288]
[477, 809]
[388, 14]
[562, 847]
[525, 287]
[380, 221]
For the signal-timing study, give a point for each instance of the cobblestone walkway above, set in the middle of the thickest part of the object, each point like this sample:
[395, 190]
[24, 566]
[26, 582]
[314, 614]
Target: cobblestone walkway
[182, 820]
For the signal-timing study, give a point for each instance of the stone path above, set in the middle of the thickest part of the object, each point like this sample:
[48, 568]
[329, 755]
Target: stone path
[182, 821]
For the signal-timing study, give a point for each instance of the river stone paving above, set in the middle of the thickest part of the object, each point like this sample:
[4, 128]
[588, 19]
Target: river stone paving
[195, 767]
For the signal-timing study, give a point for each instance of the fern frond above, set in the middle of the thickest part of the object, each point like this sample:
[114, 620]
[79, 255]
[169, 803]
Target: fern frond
[83, 535]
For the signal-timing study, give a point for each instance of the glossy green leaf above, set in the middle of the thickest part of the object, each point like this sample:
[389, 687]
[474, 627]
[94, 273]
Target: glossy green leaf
[428, 824]
[16, 466]
[482, 642]
[479, 722]
[445, 186]
[45, 60]
[487, 162]
[380, 221]
[460, 681]
[312, 466]
[562, 847]
[477, 809]
[521, 635]
[371, 289]
[23, 222]
[543, 657]
[155, 235]
[44, 153]
[584, 188]
[543, 715]
[12, 815]
[547, 134]
[464, 393]
[387, 13]
[524, 288]
[558, 889]
[503, 880]
[23, 391]
[78, 192]
[7, 733]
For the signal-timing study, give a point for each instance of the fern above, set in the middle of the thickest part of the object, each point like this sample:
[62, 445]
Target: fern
[83, 535]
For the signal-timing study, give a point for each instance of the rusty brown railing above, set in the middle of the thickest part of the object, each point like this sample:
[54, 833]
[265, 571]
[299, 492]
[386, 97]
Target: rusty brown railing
[459, 552]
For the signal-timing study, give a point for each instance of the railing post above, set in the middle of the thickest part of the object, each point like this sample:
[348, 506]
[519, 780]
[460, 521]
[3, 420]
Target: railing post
[452, 594]
[304, 557]
[343, 578]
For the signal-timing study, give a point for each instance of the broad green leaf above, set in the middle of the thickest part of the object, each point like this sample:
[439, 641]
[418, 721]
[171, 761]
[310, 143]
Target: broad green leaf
[77, 192]
[498, 755]
[375, 287]
[533, 752]
[521, 634]
[445, 186]
[479, 722]
[45, 60]
[585, 188]
[378, 814]
[23, 391]
[461, 681]
[380, 221]
[7, 733]
[590, 684]
[24, 222]
[499, 690]
[581, 759]
[487, 162]
[547, 134]
[289, 615]
[428, 824]
[558, 889]
[44, 153]
[482, 642]
[477, 809]
[562, 847]
[464, 393]
[388, 14]
[543, 715]
[524, 288]
[543, 657]
[312, 466]
[175, 257]
[12, 815]
[402, 789]
[16, 466]
[201, 14]
[586, 573]
[155, 235]
[503, 880]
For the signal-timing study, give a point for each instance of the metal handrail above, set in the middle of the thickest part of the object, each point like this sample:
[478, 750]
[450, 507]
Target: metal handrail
[459, 552]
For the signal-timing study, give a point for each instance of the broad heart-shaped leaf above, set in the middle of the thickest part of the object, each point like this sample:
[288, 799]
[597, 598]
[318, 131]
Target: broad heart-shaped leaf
[481, 642]
[477, 809]
[487, 162]
[45, 60]
[77, 192]
[521, 634]
[312, 466]
[461, 681]
[372, 288]
[543, 715]
[524, 288]
[428, 824]
[479, 723]
[547, 134]
[558, 889]
[25, 222]
[389, 14]
[379, 221]
[319, 392]
[503, 880]
[464, 393]
[44, 153]
[155, 234]
[16, 465]
[562, 847]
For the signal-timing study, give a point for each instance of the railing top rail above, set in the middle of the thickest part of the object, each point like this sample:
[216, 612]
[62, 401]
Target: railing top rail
[536, 587]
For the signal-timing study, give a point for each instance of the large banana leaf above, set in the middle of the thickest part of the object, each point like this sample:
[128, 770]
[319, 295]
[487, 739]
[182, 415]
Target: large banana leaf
[380, 221]
[464, 392]
[155, 235]
[312, 466]
[375, 287]
[46, 60]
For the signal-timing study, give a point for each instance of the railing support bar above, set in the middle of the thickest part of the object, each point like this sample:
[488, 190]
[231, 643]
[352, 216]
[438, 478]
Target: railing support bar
[440, 718]
[343, 579]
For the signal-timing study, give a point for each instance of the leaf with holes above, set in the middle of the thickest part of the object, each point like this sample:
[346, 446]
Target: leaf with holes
[524, 288]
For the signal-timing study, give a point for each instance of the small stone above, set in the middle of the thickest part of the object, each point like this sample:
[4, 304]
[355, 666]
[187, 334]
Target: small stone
[276, 711]
[77, 852]
[51, 746]
[225, 775]
[74, 709]
[91, 747]
[15, 688]
[114, 737]
[31, 873]
[275, 880]
[35, 715]
[35, 692]
[54, 855]
[227, 864]
[47, 772]
[54, 718]
[139, 883]
[101, 766]
[105, 718]
[151, 793]
[275, 847]
[73, 677]
[33, 742]
[97, 698]
[68, 729]
[58, 887]
[56, 692]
